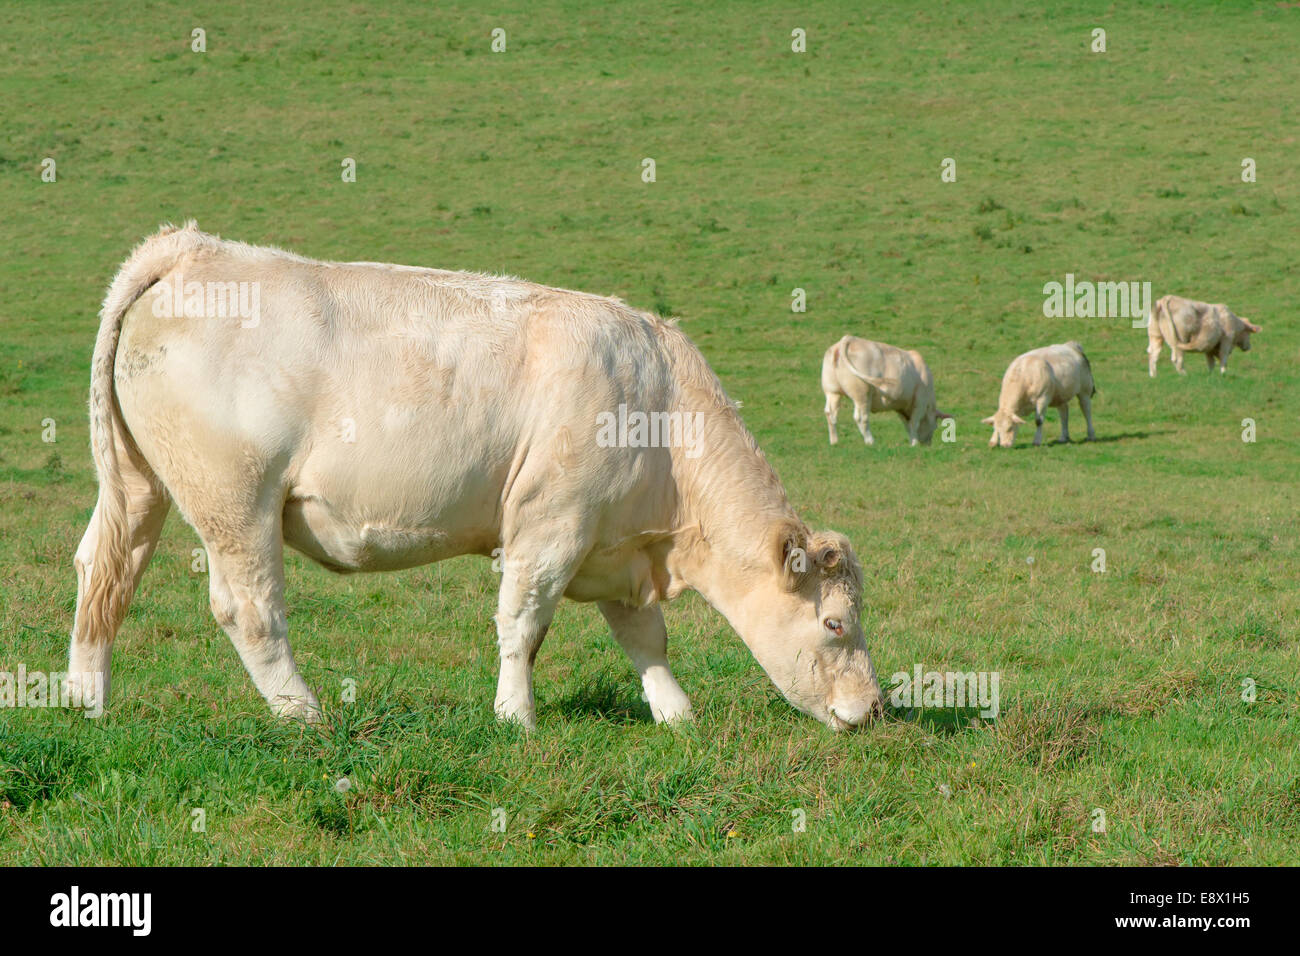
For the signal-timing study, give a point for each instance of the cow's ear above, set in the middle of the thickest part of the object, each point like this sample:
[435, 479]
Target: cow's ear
[941, 415]
[987, 421]
[827, 557]
[1017, 419]
[788, 546]
[1254, 329]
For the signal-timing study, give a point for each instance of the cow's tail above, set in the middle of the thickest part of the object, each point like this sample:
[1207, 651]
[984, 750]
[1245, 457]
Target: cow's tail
[1091, 377]
[874, 382]
[1086, 364]
[1163, 325]
[108, 589]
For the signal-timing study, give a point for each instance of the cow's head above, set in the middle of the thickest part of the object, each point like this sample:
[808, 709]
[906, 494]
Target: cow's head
[806, 632]
[930, 419]
[1242, 338]
[1004, 428]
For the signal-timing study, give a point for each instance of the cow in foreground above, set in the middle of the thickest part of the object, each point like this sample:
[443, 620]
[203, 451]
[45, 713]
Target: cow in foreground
[378, 417]
[1050, 377]
[879, 378]
[1187, 326]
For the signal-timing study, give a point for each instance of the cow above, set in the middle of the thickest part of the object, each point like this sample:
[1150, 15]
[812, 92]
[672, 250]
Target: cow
[879, 378]
[1050, 377]
[377, 417]
[1187, 326]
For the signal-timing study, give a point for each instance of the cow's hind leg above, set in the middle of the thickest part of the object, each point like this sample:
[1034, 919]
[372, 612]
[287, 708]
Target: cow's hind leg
[1176, 356]
[643, 637]
[115, 568]
[1065, 426]
[246, 587]
[861, 415]
[1085, 405]
[832, 412]
[1153, 355]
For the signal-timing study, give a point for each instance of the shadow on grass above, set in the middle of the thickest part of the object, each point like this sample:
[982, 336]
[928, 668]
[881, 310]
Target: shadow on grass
[604, 697]
[948, 721]
[1099, 440]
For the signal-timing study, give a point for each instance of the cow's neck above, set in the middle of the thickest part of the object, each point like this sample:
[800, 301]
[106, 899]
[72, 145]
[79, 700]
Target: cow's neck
[730, 504]
[729, 499]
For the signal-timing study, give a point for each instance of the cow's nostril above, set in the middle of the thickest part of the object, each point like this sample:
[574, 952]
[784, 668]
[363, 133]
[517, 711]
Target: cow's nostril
[855, 715]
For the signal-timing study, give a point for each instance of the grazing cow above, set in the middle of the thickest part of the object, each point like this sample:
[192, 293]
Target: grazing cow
[879, 378]
[377, 417]
[1045, 378]
[1187, 326]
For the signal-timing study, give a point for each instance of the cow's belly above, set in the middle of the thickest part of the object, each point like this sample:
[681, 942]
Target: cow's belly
[330, 535]
[880, 402]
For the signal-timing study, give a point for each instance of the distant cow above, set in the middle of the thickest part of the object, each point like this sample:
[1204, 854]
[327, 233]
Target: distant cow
[879, 378]
[1050, 377]
[1187, 326]
[378, 417]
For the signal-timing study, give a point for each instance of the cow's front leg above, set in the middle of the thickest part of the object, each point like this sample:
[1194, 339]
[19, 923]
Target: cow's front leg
[1039, 411]
[913, 426]
[1085, 405]
[861, 416]
[1065, 425]
[531, 587]
[832, 415]
[1224, 352]
[1210, 359]
[643, 637]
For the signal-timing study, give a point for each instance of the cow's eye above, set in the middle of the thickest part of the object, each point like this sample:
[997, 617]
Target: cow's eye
[834, 626]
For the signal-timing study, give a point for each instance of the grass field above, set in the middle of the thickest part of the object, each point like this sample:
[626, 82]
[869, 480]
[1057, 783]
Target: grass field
[1120, 691]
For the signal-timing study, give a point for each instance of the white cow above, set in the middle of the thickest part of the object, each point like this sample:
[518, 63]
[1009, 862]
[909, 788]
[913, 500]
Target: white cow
[377, 417]
[1050, 377]
[1188, 326]
[879, 378]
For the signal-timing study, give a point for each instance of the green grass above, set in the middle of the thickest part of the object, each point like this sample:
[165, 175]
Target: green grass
[1120, 691]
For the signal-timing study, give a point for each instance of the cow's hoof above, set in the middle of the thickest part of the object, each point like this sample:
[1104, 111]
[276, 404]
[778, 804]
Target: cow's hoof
[89, 691]
[304, 709]
[527, 721]
[670, 718]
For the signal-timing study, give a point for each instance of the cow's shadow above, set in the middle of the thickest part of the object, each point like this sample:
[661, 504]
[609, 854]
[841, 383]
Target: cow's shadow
[603, 697]
[945, 721]
[1099, 440]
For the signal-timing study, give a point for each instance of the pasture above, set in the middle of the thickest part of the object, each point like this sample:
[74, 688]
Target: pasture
[1121, 690]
